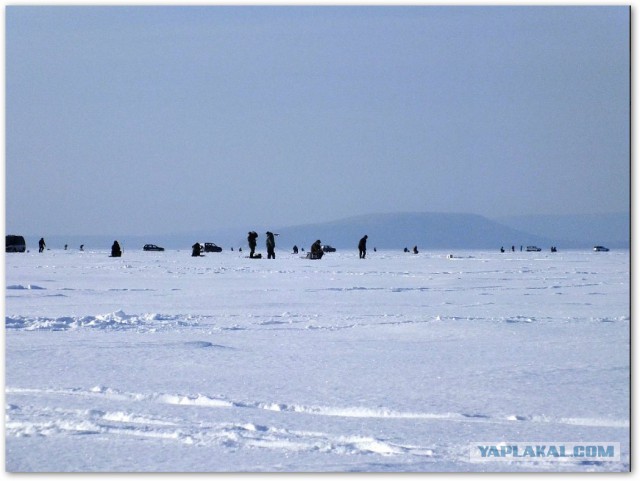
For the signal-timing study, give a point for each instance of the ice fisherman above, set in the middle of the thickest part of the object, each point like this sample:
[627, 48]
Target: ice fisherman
[115, 249]
[41, 244]
[195, 250]
[316, 250]
[271, 245]
[362, 246]
[251, 239]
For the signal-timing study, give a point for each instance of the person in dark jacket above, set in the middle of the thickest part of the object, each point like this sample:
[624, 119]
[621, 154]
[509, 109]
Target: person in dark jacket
[316, 250]
[271, 246]
[41, 244]
[195, 250]
[251, 239]
[362, 247]
[115, 249]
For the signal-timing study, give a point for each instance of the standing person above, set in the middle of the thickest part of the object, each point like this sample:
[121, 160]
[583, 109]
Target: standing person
[41, 244]
[362, 246]
[271, 246]
[251, 239]
[115, 249]
[195, 250]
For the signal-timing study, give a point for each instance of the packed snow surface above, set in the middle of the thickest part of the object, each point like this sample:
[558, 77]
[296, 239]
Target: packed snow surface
[159, 361]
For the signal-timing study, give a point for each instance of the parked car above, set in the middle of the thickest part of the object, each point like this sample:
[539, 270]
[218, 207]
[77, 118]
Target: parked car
[152, 247]
[211, 247]
[600, 249]
[15, 243]
[533, 249]
[328, 248]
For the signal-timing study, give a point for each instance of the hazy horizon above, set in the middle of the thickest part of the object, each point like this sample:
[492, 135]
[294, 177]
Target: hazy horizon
[171, 119]
[242, 227]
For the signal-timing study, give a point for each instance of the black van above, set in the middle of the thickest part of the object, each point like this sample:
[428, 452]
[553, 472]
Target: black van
[15, 243]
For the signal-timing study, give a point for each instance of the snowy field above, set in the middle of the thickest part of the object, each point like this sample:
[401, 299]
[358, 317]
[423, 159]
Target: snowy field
[158, 361]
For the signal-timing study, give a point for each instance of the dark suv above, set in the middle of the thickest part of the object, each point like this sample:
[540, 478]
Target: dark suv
[15, 243]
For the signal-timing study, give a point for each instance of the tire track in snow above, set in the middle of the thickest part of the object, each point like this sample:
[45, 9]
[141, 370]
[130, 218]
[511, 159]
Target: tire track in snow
[202, 400]
[48, 422]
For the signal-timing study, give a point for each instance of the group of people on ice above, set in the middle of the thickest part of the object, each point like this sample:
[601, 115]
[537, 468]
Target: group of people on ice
[252, 239]
[315, 252]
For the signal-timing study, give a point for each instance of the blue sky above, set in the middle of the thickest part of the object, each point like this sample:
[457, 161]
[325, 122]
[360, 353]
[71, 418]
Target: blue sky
[141, 120]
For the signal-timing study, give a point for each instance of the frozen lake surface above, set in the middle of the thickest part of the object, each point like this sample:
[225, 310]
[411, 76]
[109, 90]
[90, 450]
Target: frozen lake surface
[158, 361]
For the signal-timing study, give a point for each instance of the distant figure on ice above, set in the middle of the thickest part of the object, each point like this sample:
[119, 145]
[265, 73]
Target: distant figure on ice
[41, 244]
[295, 249]
[415, 249]
[115, 249]
[513, 248]
[271, 246]
[82, 247]
[362, 247]
[65, 246]
[502, 249]
[251, 239]
[406, 250]
[195, 250]
[316, 251]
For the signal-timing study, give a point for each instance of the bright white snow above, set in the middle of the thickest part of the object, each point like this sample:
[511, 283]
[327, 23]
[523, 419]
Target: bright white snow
[158, 361]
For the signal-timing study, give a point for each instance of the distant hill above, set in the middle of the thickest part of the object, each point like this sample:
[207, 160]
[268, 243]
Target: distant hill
[399, 230]
[427, 230]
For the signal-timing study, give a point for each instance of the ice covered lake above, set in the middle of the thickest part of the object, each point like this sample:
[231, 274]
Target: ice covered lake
[158, 361]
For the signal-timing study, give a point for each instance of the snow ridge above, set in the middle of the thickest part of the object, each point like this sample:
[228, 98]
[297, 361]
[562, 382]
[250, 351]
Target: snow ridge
[152, 322]
[118, 320]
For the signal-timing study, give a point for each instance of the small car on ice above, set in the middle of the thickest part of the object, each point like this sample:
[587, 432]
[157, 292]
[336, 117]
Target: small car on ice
[600, 249]
[211, 247]
[152, 247]
[533, 249]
